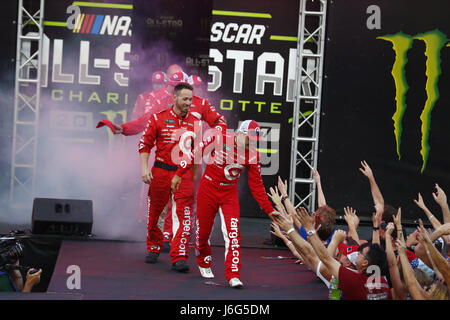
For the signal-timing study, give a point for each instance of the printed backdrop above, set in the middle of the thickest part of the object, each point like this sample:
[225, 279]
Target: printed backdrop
[385, 101]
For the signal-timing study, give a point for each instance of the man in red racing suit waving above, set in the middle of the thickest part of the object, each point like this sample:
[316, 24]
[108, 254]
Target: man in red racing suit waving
[167, 130]
[218, 192]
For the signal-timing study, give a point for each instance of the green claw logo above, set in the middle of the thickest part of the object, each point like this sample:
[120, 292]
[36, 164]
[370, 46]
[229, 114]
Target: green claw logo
[434, 41]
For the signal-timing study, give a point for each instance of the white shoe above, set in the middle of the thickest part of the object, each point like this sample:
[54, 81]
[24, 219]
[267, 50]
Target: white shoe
[206, 272]
[235, 283]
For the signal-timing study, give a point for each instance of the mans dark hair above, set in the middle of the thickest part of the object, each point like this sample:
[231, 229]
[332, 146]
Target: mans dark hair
[389, 213]
[181, 86]
[375, 256]
[325, 231]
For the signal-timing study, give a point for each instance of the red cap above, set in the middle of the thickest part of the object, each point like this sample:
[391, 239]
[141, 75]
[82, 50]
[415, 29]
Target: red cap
[158, 77]
[252, 129]
[107, 123]
[345, 249]
[177, 78]
[195, 80]
[411, 255]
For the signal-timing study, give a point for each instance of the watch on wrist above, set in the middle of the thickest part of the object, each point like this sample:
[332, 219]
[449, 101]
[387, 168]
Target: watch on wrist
[311, 232]
[284, 198]
[376, 228]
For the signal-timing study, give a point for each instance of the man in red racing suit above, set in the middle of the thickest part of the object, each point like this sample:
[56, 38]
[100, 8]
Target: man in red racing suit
[218, 192]
[168, 130]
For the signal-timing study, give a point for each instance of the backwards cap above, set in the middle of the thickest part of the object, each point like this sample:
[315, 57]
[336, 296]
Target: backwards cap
[252, 129]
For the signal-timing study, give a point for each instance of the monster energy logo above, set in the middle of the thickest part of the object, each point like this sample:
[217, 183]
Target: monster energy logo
[434, 41]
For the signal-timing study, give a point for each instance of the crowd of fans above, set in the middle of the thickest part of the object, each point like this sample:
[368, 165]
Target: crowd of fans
[390, 265]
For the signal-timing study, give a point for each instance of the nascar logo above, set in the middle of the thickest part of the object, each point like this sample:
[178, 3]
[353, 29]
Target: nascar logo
[98, 23]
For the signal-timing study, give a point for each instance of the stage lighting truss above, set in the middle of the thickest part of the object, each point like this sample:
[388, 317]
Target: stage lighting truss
[306, 114]
[26, 101]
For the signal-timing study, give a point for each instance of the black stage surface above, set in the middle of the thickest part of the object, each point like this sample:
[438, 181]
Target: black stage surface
[114, 269]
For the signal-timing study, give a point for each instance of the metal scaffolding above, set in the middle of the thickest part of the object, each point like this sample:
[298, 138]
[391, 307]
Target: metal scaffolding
[26, 102]
[306, 116]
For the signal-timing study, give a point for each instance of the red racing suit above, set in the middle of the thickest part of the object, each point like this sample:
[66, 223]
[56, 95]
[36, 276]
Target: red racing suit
[168, 131]
[218, 192]
[151, 102]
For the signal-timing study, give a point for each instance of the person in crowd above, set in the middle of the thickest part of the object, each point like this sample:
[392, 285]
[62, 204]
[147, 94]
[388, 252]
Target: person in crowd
[437, 290]
[12, 281]
[388, 211]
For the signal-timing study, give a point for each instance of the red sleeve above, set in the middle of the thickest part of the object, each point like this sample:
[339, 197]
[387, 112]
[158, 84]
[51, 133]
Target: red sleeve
[148, 139]
[197, 155]
[134, 127]
[212, 117]
[257, 187]
[138, 107]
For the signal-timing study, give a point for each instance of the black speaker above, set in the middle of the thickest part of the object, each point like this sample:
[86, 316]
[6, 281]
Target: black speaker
[62, 216]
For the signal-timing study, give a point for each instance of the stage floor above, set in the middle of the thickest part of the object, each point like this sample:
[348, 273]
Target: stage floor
[116, 270]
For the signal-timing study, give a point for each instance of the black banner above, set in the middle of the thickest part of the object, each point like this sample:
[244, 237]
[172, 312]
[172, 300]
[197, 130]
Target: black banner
[252, 70]
[385, 101]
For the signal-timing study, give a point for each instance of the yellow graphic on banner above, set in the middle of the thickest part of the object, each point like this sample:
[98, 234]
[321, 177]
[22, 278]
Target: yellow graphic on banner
[434, 41]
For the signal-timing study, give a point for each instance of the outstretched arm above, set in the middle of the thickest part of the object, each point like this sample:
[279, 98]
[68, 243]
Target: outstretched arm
[376, 218]
[394, 273]
[374, 189]
[257, 188]
[330, 263]
[301, 245]
[414, 288]
[421, 251]
[421, 204]
[441, 198]
[437, 259]
[276, 231]
[320, 195]
[352, 222]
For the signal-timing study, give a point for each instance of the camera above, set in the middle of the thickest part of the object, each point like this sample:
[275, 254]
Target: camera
[10, 251]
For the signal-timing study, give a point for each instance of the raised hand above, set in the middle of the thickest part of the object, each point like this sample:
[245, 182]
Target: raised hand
[339, 236]
[390, 228]
[275, 196]
[305, 219]
[282, 186]
[276, 231]
[419, 202]
[423, 235]
[398, 219]
[439, 196]
[377, 216]
[401, 245]
[285, 222]
[316, 176]
[351, 217]
[366, 170]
